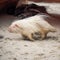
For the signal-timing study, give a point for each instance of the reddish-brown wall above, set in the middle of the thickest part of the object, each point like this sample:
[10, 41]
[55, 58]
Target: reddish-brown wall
[46, 0]
[51, 0]
[3, 3]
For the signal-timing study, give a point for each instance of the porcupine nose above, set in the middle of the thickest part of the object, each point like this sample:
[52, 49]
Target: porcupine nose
[9, 29]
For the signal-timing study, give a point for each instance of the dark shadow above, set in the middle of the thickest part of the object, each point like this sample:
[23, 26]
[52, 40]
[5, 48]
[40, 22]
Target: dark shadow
[51, 38]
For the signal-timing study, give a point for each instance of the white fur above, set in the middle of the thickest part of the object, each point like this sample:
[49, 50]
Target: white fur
[31, 25]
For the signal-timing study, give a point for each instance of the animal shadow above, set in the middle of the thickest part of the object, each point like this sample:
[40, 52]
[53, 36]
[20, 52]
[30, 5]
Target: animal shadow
[51, 38]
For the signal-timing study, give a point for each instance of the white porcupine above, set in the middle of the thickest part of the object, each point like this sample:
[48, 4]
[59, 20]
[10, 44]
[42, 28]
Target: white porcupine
[28, 26]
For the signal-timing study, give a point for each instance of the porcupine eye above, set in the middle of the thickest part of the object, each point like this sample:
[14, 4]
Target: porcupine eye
[16, 25]
[19, 27]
